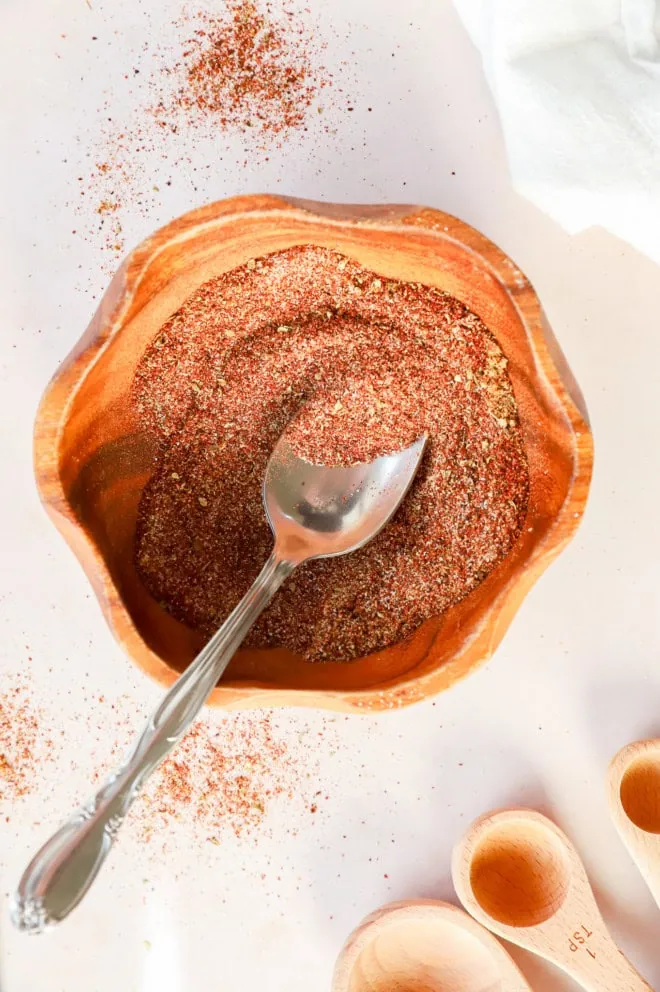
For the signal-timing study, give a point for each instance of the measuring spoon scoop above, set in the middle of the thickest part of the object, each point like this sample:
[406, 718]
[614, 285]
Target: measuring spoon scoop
[633, 792]
[520, 876]
[424, 946]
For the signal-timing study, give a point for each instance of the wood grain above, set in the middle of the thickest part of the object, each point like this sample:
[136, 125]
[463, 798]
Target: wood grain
[92, 458]
[424, 946]
[633, 793]
[520, 876]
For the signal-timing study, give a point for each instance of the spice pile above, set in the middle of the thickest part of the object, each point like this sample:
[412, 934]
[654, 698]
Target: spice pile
[250, 70]
[352, 366]
[246, 69]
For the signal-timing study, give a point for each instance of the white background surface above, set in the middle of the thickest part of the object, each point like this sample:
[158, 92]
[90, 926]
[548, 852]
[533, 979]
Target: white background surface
[576, 677]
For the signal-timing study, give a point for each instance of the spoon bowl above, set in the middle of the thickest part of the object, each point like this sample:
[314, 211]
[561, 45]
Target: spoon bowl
[520, 877]
[424, 946]
[321, 512]
[634, 801]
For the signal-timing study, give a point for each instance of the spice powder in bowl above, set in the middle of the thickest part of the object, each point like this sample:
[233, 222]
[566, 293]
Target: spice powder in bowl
[351, 366]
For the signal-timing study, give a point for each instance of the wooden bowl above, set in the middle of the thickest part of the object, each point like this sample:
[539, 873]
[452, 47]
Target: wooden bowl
[93, 460]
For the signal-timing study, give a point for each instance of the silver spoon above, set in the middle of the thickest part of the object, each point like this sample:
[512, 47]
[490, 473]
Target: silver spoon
[314, 512]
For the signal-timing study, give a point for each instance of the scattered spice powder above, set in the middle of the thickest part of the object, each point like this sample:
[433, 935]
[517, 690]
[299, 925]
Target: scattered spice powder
[248, 75]
[244, 69]
[20, 751]
[351, 365]
[225, 778]
[221, 778]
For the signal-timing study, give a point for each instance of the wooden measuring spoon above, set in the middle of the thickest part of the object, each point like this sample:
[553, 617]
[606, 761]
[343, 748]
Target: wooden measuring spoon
[424, 946]
[634, 798]
[519, 875]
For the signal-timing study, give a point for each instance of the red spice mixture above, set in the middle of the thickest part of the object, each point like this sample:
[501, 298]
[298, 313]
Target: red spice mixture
[244, 69]
[20, 741]
[224, 780]
[221, 778]
[351, 365]
[251, 70]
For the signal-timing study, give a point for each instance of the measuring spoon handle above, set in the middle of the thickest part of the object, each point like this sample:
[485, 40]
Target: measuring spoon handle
[590, 956]
[62, 871]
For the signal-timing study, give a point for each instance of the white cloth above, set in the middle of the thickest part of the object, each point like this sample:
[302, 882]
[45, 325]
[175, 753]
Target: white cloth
[577, 86]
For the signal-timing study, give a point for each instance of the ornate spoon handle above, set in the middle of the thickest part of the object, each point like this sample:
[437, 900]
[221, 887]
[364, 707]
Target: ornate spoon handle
[62, 871]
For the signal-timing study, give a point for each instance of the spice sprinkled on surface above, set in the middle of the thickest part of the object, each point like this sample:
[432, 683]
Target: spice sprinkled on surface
[226, 779]
[242, 80]
[20, 744]
[244, 69]
[365, 366]
[221, 778]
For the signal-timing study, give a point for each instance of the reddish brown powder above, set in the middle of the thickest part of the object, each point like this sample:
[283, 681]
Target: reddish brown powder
[220, 778]
[351, 365]
[244, 68]
[224, 780]
[250, 75]
[19, 740]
